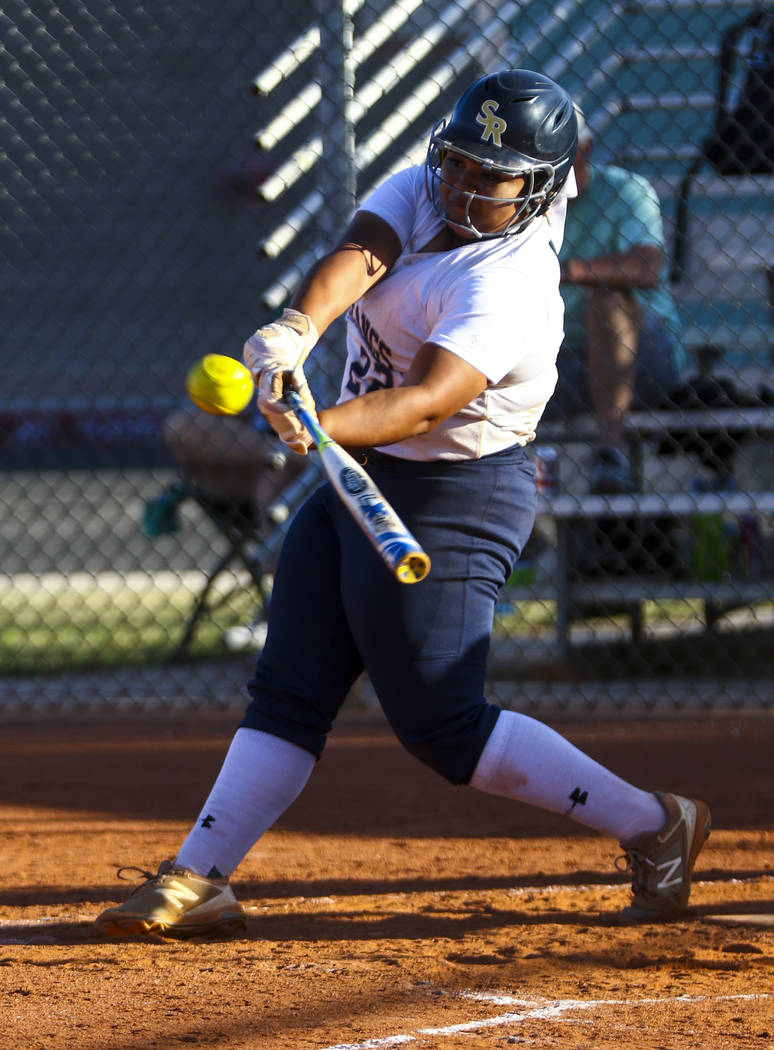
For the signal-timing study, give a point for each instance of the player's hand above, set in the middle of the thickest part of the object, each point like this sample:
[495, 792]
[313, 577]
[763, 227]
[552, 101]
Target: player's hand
[278, 415]
[282, 346]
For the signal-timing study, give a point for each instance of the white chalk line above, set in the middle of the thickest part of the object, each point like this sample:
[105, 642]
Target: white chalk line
[534, 1010]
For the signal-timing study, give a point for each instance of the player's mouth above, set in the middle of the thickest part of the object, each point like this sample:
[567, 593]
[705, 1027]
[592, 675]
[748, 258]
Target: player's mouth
[456, 209]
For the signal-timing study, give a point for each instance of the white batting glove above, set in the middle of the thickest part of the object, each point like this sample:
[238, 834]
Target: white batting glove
[279, 416]
[282, 346]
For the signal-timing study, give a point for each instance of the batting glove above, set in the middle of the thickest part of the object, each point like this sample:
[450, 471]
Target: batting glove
[278, 415]
[282, 346]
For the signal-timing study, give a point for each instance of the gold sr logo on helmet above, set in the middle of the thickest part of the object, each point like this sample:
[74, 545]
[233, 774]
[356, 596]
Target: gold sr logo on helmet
[493, 126]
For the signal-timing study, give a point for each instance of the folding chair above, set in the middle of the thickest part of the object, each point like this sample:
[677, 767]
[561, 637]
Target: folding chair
[245, 481]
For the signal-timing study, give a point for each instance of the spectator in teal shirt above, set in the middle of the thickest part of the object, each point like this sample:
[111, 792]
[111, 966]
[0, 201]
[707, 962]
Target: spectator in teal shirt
[621, 348]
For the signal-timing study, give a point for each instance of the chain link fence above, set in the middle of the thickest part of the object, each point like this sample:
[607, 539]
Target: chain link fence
[169, 172]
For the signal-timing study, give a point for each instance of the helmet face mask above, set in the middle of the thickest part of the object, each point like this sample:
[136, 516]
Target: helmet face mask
[518, 124]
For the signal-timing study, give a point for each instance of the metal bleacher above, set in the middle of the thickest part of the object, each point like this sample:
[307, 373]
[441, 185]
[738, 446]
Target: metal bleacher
[659, 107]
[650, 101]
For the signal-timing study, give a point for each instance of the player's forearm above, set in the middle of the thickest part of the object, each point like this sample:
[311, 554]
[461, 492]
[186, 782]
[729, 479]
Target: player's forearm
[381, 417]
[438, 384]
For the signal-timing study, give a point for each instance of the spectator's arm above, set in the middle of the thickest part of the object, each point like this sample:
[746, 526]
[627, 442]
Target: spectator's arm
[639, 267]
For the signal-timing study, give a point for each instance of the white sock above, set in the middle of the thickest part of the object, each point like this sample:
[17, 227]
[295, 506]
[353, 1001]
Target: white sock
[525, 760]
[261, 775]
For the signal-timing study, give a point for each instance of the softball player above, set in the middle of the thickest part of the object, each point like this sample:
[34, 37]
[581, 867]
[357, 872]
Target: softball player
[450, 280]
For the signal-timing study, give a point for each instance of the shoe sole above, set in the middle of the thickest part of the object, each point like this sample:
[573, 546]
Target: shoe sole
[229, 926]
[703, 821]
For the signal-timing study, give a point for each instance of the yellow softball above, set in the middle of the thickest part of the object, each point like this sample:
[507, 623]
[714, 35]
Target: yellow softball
[220, 385]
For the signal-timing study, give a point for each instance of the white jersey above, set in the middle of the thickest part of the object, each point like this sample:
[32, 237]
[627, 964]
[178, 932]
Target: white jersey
[495, 303]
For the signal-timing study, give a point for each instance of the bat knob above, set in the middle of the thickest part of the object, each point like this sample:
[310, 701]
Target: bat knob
[413, 567]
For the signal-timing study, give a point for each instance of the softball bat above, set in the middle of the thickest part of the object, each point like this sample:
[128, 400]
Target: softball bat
[389, 536]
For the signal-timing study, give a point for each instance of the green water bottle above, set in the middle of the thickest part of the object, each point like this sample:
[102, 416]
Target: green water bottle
[710, 546]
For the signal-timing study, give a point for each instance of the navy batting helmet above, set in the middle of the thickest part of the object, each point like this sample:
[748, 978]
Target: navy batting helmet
[516, 122]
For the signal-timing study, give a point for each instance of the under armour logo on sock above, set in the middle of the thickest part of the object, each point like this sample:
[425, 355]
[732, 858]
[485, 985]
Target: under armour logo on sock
[208, 821]
[578, 798]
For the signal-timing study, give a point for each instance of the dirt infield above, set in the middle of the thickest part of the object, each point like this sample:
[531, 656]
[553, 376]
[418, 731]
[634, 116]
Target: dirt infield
[386, 908]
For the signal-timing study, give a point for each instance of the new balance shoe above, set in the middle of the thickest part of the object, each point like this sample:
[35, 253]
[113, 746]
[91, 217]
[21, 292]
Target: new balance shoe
[661, 862]
[175, 902]
[610, 472]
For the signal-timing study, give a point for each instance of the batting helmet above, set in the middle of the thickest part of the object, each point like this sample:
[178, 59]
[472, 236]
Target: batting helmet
[516, 122]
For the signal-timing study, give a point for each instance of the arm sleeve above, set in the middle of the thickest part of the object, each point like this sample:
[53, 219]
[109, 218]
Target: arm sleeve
[395, 202]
